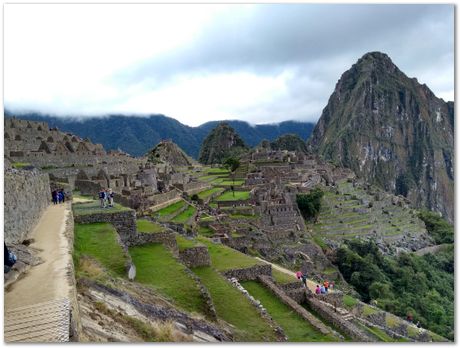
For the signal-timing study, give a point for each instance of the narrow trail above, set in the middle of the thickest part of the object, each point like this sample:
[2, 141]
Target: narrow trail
[47, 281]
[311, 284]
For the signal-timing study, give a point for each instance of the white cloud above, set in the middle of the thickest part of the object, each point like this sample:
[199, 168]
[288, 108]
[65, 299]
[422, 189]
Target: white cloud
[259, 63]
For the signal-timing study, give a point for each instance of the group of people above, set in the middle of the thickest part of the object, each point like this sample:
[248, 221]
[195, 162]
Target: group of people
[106, 198]
[58, 196]
[323, 289]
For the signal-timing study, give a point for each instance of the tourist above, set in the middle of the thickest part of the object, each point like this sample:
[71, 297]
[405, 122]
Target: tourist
[110, 197]
[304, 280]
[318, 290]
[323, 289]
[102, 198]
[326, 285]
[331, 285]
[60, 197]
[63, 195]
[9, 259]
[54, 195]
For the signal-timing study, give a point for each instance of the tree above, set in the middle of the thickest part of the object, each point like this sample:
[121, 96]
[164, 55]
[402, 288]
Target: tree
[232, 164]
[310, 204]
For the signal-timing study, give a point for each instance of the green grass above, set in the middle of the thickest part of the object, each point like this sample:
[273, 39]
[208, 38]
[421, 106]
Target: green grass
[148, 226]
[185, 243]
[237, 182]
[157, 268]
[99, 241]
[349, 301]
[208, 218]
[233, 307]
[205, 194]
[77, 194]
[329, 270]
[205, 231]
[20, 165]
[224, 258]
[94, 207]
[170, 209]
[283, 278]
[218, 171]
[234, 196]
[243, 216]
[184, 216]
[296, 328]
[368, 310]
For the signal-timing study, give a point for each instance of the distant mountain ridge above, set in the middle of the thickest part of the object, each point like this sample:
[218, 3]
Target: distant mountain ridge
[136, 135]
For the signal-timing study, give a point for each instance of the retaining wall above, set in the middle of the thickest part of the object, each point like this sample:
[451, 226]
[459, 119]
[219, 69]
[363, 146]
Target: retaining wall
[124, 222]
[27, 195]
[278, 292]
[250, 273]
[195, 256]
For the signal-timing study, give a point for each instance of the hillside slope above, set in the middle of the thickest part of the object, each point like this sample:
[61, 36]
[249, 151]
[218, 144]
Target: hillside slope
[392, 131]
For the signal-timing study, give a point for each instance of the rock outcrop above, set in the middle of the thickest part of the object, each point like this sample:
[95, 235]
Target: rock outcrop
[221, 143]
[168, 152]
[289, 142]
[392, 131]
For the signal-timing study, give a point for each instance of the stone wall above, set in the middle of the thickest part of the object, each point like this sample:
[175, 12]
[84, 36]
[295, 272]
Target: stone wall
[124, 222]
[195, 256]
[27, 195]
[250, 273]
[166, 238]
[335, 319]
[278, 292]
[164, 197]
[87, 187]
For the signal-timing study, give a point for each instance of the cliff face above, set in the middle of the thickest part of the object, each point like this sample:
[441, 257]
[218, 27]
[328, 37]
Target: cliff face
[221, 142]
[169, 152]
[392, 131]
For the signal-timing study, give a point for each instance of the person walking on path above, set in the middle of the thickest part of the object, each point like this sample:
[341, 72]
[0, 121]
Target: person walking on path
[323, 289]
[102, 198]
[110, 197]
[318, 290]
[302, 277]
[9, 259]
[54, 195]
[326, 285]
[60, 197]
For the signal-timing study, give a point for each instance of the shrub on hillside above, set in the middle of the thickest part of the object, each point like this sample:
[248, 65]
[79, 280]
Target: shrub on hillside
[437, 227]
[310, 204]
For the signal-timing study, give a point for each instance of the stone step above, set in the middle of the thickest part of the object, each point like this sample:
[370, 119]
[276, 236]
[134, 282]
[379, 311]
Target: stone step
[39, 323]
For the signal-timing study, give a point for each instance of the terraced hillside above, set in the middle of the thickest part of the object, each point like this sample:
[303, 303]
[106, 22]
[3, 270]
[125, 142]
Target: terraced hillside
[354, 210]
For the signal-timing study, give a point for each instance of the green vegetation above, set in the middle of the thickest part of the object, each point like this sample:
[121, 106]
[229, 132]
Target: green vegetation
[402, 284]
[234, 196]
[205, 231]
[232, 164]
[283, 278]
[310, 204]
[224, 258]
[243, 216]
[156, 267]
[94, 207]
[170, 209]
[147, 226]
[218, 171]
[349, 301]
[98, 241]
[184, 216]
[437, 227]
[233, 307]
[185, 243]
[20, 165]
[205, 194]
[296, 328]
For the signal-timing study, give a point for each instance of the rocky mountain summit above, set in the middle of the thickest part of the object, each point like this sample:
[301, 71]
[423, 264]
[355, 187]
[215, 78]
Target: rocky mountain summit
[289, 142]
[168, 152]
[221, 142]
[391, 131]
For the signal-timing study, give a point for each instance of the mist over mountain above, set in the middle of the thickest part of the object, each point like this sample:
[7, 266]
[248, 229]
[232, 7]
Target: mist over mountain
[138, 134]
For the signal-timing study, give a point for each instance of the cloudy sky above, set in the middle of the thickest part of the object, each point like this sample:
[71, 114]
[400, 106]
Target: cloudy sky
[259, 63]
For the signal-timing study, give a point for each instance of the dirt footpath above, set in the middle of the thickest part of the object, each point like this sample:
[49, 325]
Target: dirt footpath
[48, 280]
